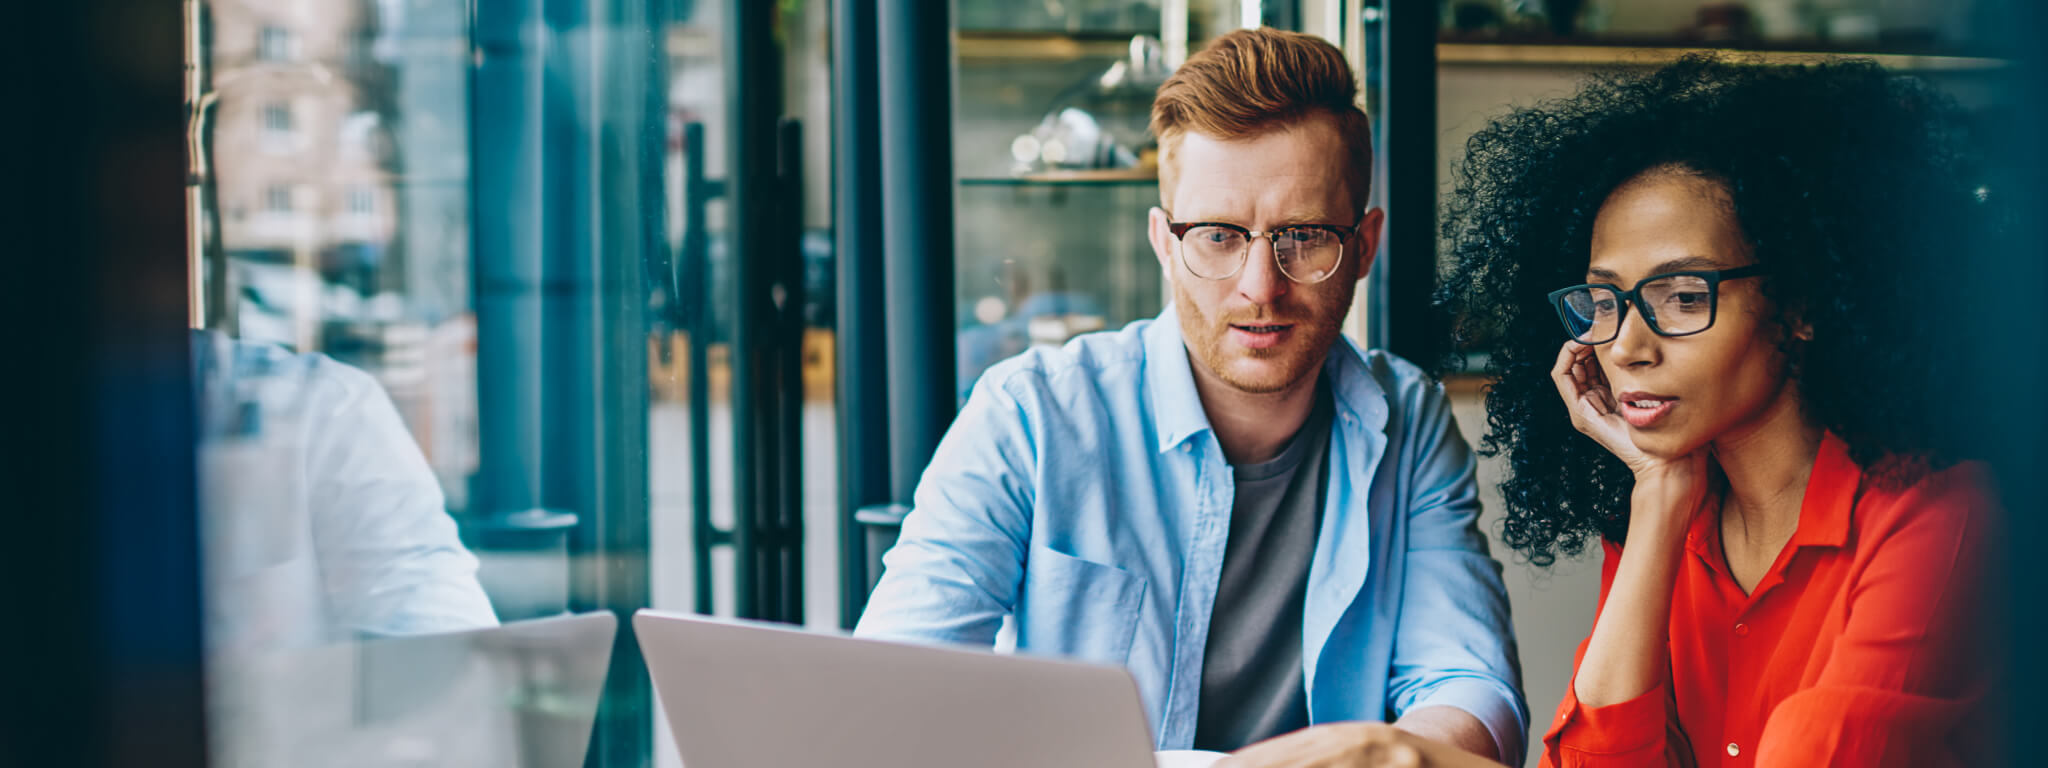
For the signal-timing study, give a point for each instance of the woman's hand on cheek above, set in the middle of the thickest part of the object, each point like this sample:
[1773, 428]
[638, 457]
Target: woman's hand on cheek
[1590, 401]
[1677, 485]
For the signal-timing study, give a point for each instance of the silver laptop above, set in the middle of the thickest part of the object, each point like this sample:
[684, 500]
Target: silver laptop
[744, 695]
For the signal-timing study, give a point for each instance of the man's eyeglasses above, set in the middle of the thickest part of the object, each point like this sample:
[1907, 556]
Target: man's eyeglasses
[1306, 253]
[1673, 304]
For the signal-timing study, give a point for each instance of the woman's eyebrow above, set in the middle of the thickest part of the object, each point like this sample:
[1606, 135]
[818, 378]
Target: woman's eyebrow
[1684, 264]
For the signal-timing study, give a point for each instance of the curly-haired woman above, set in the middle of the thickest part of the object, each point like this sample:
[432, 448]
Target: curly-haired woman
[1747, 404]
[1719, 319]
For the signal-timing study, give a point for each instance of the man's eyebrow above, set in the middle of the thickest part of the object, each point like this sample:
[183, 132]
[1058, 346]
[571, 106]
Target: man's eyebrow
[1307, 219]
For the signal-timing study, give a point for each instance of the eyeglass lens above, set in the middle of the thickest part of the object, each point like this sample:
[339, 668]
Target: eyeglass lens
[1305, 254]
[1675, 305]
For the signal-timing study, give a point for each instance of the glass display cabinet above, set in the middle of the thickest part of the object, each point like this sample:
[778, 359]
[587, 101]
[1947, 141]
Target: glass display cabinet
[1056, 168]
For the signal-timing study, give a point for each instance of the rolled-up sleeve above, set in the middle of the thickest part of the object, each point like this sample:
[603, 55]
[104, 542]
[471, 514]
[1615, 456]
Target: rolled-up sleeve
[1639, 732]
[1455, 643]
[954, 572]
[1630, 734]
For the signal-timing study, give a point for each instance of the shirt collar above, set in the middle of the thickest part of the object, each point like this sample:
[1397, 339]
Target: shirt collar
[1177, 407]
[1825, 511]
[1830, 501]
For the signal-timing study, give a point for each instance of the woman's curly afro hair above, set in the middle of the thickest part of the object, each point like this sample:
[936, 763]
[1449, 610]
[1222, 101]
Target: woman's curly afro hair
[1852, 183]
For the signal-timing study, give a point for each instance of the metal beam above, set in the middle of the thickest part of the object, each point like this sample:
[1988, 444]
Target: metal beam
[916, 78]
[1403, 320]
[857, 230]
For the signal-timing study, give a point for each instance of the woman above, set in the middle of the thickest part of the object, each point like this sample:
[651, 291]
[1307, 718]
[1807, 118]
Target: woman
[1750, 405]
[1714, 301]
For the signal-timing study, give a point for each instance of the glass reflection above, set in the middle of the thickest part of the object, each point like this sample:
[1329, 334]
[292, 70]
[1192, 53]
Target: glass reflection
[523, 695]
[322, 519]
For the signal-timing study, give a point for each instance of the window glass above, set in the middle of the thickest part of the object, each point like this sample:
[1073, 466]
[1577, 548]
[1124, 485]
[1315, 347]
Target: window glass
[421, 357]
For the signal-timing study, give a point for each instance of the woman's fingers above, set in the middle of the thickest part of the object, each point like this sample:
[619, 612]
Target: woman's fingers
[1564, 373]
[1590, 401]
[1580, 384]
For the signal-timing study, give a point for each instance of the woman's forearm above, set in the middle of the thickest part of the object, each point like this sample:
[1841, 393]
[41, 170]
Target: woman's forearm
[1626, 656]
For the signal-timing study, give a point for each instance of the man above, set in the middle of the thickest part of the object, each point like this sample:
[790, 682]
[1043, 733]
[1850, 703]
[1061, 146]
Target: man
[323, 521]
[1269, 528]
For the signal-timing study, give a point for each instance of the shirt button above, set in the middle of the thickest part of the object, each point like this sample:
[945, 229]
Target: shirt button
[1741, 630]
[1734, 751]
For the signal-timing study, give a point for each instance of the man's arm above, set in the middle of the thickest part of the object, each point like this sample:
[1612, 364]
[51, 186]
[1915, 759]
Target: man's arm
[390, 557]
[954, 572]
[1453, 726]
[1454, 648]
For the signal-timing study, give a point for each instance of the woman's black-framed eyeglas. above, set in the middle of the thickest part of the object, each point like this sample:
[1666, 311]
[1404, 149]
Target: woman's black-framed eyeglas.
[1673, 304]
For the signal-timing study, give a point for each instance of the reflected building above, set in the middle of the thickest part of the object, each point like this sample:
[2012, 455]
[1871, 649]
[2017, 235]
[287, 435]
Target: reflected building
[340, 167]
[337, 366]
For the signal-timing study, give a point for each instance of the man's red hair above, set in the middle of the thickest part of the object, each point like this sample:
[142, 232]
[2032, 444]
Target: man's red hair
[1254, 81]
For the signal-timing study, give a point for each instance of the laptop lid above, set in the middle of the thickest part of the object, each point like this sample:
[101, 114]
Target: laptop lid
[524, 694]
[745, 695]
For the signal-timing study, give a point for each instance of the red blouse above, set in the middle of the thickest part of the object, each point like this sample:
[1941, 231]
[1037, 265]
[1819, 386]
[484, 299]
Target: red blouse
[1864, 644]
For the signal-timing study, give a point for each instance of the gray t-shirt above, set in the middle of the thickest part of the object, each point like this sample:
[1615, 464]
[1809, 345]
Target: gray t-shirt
[1253, 685]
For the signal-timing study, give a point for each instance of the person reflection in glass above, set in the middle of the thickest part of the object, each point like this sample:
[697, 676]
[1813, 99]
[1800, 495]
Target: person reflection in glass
[323, 521]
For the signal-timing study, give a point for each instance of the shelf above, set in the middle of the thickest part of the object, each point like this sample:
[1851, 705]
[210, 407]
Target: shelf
[1623, 53]
[1044, 46]
[1106, 177]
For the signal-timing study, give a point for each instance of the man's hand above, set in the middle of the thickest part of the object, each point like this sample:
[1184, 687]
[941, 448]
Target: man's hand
[1353, 745]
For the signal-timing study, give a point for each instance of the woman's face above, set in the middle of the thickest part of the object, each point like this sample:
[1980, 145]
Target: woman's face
[1680, 394]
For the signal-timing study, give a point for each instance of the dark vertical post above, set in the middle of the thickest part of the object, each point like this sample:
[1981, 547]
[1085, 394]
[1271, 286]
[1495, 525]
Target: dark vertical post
[693, 288]
[857, 250]
[916, 77]
[505, 183]
[753, 80]
[102, 551]
[786, 296]
[1407, 259]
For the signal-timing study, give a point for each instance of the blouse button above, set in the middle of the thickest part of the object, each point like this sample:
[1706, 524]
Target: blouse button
[1741, 630]
[1734, 751]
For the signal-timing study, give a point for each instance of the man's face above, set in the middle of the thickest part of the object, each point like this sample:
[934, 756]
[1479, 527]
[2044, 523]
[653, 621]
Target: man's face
[1257, 331]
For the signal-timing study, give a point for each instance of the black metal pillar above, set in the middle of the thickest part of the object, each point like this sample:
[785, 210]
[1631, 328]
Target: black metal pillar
[916, 78]
[1405, 324]
[767, 293]
[693, 290]
[857, 228]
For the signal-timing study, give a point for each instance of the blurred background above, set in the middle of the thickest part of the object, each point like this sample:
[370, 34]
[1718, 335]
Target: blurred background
[672, 298]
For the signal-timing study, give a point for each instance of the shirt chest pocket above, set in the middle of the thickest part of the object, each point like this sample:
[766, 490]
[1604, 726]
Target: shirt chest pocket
[1078, 608]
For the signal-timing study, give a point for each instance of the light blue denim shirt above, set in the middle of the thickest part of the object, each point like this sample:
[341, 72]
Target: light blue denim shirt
[323, 521]
[1082, 490]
